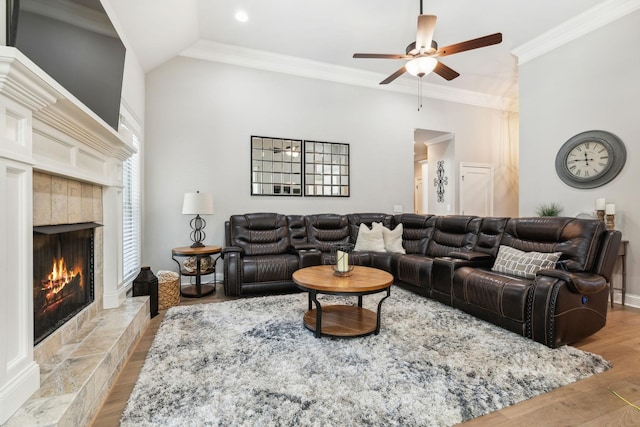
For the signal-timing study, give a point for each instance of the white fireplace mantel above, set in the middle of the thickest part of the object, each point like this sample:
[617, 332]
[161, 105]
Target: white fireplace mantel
[45, 128]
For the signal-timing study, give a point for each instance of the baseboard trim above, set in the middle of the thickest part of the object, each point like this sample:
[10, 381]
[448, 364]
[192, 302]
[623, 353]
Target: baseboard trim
[15, 393]
[114, 299]
[630, 300]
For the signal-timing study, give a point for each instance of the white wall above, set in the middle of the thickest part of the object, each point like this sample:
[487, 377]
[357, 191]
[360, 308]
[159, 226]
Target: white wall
[200, 116]
[590, 83]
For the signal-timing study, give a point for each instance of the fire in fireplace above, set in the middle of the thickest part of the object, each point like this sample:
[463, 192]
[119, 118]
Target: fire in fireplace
[62, 275]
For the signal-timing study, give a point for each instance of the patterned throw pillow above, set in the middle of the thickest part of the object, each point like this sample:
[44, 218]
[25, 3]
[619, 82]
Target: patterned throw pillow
[392, 238]
[523, 264]
[369, 240]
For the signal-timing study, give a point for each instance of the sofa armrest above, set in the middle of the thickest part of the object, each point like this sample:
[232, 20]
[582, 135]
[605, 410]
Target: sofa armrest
[470, 256]
[579, 282]
[296, 247]
[309, 257]
[232, 250]
[444, 268]
[232, 267]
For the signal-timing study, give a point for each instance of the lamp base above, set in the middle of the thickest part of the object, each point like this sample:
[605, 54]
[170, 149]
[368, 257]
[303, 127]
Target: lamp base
[197, 235]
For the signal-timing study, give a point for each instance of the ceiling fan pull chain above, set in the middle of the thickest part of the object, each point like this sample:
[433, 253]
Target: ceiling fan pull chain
[419, 94]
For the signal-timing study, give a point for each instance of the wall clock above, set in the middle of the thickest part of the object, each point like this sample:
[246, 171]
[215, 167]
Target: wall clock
[590, 159]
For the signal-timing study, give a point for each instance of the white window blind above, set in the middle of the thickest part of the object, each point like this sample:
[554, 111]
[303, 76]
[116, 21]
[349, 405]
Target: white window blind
[131, 215]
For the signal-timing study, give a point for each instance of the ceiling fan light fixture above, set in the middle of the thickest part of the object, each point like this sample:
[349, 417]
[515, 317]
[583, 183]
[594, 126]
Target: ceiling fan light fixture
[421, 66]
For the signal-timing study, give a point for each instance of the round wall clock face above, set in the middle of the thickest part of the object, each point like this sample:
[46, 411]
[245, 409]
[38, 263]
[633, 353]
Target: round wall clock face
[590, 159]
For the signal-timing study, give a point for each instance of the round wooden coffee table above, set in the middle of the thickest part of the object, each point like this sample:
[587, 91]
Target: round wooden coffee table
[342, 320]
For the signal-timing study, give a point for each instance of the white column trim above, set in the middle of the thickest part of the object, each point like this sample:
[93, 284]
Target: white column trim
[19, 374]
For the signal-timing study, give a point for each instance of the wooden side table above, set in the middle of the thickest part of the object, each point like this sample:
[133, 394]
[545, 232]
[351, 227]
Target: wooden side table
[199, 289]
[622, 254]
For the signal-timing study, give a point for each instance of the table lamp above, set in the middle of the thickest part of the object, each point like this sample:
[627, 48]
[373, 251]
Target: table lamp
[197, 204]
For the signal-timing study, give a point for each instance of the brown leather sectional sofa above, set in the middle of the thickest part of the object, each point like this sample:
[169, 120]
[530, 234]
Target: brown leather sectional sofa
[449, 259]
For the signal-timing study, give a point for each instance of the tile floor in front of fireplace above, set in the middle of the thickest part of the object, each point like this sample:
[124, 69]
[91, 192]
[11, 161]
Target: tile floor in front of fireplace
[74, 380]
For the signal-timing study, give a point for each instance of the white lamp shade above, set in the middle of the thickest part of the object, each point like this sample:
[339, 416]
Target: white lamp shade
[421, 66]
[197, 204]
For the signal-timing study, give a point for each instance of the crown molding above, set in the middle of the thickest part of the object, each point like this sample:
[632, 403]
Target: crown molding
[259, 59]
[439, 139]
[588, 21]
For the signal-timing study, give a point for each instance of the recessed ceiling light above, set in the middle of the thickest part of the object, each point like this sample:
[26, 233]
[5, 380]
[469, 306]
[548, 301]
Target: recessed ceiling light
[241, 16]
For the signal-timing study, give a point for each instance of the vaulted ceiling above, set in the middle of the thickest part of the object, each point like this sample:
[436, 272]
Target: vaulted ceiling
[309, 36]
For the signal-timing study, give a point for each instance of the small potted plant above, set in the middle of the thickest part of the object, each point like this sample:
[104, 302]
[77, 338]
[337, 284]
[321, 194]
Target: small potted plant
[549, 209]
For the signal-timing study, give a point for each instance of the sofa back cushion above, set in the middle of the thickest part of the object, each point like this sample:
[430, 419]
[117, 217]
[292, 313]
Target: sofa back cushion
[453, 233]
[259, 233]
[368, 219]
[577, 239]
[324, 230]
[490, 235]
[297, 229]
[416, 231]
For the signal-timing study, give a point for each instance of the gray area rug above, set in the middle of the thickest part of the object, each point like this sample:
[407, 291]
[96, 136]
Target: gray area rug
[252, 362]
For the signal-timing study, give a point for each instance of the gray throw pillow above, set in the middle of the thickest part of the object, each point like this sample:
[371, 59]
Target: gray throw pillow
[523, 264]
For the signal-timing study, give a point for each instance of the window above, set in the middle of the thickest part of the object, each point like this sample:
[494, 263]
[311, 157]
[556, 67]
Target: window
[131, 214]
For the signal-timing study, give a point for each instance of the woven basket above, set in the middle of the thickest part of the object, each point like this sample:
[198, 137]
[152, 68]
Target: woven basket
[168, 289]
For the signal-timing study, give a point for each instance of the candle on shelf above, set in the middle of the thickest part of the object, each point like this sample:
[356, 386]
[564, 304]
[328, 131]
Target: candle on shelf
[600, 204]
[610, 209]
[342, 259]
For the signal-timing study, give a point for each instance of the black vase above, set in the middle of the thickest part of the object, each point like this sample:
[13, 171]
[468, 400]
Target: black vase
[147, 284]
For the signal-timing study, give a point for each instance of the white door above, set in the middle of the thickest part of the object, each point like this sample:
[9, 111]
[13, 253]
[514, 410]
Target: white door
[476, 189]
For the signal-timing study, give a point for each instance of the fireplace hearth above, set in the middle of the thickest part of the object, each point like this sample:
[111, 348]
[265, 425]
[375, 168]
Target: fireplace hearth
[63, 276]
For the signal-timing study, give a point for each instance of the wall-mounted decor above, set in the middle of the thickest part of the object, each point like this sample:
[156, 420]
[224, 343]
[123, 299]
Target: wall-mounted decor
[590, 159]
[440, 181]
[326, 169]
[276, 166]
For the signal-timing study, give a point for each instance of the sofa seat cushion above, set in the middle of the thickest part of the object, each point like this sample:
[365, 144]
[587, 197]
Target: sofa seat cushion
[414, 270]
[386, 261]
[269, 268]
[499, 294]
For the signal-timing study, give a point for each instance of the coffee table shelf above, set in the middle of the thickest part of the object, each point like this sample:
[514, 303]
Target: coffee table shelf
[342, 320]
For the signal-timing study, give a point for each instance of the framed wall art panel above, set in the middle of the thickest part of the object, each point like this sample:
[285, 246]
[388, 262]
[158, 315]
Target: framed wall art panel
[326, 169]
[276, 166]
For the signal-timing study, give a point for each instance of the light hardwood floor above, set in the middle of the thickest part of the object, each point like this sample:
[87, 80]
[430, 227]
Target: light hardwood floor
[585, 403]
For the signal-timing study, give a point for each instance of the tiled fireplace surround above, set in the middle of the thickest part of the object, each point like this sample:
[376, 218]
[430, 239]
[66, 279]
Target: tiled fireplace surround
[59, 164]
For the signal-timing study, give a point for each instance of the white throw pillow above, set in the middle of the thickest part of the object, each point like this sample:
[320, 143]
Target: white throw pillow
[523, 264]
[369, 240]
[392, 238]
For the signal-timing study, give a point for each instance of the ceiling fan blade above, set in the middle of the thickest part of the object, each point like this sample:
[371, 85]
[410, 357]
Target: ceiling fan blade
[470, 44]
[394, 76]
[426, 25]
[445, 72]
[382, 55]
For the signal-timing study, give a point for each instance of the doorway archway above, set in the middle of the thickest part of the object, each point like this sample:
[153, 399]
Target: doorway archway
[424, 169]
